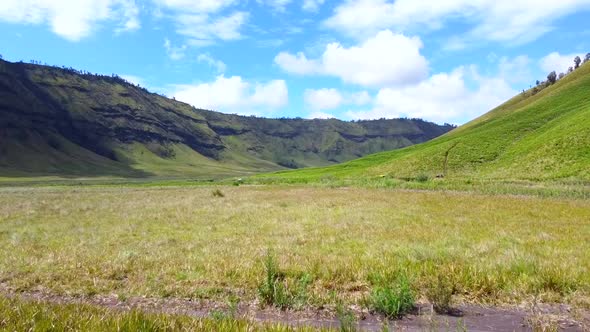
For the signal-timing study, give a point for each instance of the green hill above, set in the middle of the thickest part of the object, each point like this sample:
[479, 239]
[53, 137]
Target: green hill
[535, 136]
[65, 123]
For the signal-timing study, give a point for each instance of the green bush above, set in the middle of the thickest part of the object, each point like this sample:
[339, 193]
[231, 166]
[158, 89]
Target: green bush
[393, 299]
[346, 318]
[422, 178]
[440, 293]
[274, 290]
[217, 193]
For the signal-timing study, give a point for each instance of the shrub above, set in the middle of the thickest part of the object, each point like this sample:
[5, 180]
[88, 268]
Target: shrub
[422, 178]
[440, 293]
[273, 289]
[394, 299]
[346, 318]
[217, 193]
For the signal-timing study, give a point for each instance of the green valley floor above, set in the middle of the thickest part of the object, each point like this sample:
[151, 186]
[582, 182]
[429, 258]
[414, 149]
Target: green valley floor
[347, 254]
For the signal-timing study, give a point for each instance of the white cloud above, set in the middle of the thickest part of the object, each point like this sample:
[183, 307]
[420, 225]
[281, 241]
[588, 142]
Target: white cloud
[326, 99]
[320, 115]
[385, 59]
[515, 70]
[203, 30]
[204, 22]
[298, 64]
[558, 62]
[200, 6]
[209, 60]
[235, 95]
[277, 5]
[133, 79]
[72, 20]
[174, 52]
[360, 98]
[312, 5]
[322, 99]
[514, 21]
[444, 97]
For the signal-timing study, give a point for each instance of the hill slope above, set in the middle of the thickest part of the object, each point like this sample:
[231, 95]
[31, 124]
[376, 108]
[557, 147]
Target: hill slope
[542, 136]
[61, 122]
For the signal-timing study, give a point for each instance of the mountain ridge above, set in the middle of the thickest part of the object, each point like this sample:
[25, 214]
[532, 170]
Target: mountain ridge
[541, 134]
[59, 121]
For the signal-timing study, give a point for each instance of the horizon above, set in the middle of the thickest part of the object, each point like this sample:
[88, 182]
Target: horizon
[451, 63]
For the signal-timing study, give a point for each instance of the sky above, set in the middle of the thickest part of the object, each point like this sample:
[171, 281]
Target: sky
[443, 61]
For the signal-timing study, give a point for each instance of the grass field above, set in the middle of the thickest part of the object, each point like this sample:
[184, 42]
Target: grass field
[330, 245]
[539, 137]
[18, 315]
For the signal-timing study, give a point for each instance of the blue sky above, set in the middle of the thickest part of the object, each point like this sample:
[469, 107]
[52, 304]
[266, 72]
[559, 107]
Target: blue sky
[444, 61]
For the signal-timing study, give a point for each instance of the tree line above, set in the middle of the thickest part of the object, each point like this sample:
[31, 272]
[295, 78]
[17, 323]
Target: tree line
[553, 77]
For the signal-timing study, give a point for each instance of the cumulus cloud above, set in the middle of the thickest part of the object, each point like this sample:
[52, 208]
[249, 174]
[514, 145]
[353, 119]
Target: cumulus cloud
[320, 115]
[204, 22]
[322, 99]
[72, 20]
[515, 21]
[133, 79]
[235, 95]
[515, 70]
[558, 62]
[444, 97]
[326, 99]
[385, 59]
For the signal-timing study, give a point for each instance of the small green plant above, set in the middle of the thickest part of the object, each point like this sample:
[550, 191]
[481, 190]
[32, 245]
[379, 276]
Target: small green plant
[393, 299]
[422, 178]
[217, 193]
[440, 293]
[346, 318]
[273, 289]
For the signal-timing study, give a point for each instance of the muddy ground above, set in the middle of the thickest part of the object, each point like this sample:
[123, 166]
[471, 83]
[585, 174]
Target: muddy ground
[464, 318]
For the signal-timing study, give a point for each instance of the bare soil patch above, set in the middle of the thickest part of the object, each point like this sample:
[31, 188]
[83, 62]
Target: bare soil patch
[464, 318]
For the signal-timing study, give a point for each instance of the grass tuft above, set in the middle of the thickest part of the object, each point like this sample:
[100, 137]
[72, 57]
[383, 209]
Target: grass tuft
[440, 293]
[218, 193]
[394, 299]
[275, 290]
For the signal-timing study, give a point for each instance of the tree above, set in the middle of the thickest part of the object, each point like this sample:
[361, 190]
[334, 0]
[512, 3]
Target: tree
[1, 57]
[570, 70]
[552, 77]
[577, 62]
[538, 82]
[587, 58]
[561, 75]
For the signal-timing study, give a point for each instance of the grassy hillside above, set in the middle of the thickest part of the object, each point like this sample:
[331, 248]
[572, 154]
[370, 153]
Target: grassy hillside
[62, 122]
[534, 136]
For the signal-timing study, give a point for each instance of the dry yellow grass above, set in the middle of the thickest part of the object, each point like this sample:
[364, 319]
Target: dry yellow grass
[184, 242]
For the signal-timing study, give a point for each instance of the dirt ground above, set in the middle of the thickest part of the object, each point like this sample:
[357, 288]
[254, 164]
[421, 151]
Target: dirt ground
[464, 318]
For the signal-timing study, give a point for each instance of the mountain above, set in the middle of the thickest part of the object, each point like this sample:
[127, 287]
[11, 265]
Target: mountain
[62, 122]
[539, 135]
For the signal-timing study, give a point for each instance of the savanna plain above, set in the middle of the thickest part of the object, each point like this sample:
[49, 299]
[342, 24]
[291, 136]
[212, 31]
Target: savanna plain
[294, 248]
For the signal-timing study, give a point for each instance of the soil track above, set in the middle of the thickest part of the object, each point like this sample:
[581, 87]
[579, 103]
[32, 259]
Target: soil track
[467, 318]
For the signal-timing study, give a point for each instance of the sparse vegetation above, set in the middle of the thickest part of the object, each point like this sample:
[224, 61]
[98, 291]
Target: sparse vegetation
[274, 290]
[439, 292]
[392, 297]
[161, 242]
[346, 318]
[34, 316]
